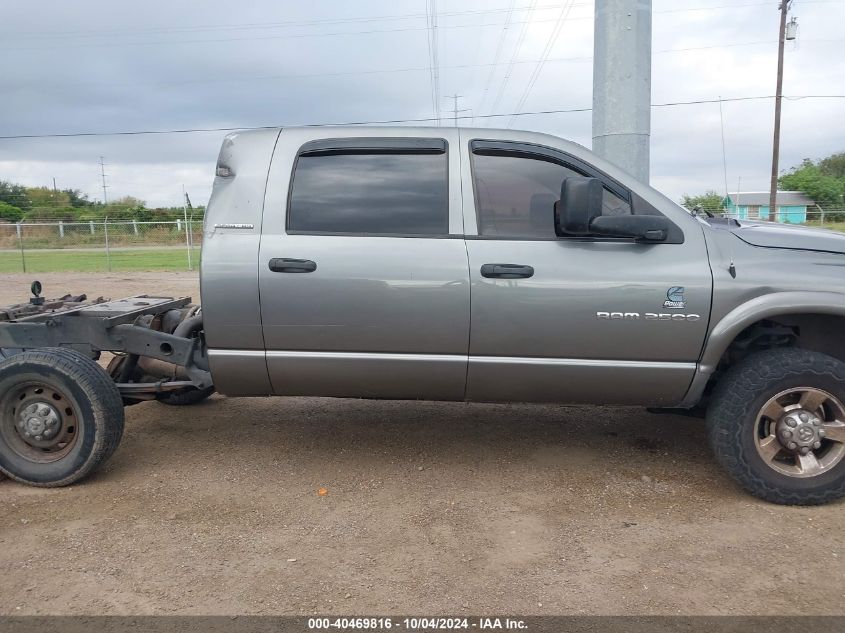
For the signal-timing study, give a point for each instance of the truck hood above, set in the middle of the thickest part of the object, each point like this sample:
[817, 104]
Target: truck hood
[789, 236]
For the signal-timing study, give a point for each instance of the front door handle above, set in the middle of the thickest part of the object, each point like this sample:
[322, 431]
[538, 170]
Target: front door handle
[507, 271]
[284, 265]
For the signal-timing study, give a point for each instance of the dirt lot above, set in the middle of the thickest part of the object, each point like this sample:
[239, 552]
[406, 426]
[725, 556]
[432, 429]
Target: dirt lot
[431, 508]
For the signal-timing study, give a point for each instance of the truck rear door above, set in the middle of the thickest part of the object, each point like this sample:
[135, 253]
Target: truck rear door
[363, 271]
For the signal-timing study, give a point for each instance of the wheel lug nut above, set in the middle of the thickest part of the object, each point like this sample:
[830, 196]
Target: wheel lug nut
[804, 417]
[805, 450]
[791, 422]
[792, 446]
[817, 422]
[817, 444]
[786, 434]
[822, 433]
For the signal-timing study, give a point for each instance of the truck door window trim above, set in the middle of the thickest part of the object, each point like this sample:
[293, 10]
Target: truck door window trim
[369, 146]
[541, 152]
[401, 145]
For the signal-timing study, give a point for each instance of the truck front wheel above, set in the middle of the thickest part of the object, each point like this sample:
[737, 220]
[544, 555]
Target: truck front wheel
[776, 423]
[61, 416]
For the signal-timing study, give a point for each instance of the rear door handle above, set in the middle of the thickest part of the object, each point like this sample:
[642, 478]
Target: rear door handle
[507, 271]
[284, 265]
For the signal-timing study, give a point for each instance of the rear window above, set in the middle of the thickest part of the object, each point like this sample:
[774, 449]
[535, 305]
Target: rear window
[372, 192]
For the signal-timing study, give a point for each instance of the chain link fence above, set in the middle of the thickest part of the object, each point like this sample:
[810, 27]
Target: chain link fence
[106, 246]
[103, 246]
[831, 218]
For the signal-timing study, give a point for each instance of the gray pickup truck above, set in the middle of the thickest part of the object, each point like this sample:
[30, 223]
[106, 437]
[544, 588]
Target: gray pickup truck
[456, 264]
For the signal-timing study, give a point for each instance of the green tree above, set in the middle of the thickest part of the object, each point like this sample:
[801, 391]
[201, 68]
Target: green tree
[811, 179]
[14, 195]
[834, 165]
[10, 213]
[77, 198]
[52, 214]
[708, 201]
[47, 204]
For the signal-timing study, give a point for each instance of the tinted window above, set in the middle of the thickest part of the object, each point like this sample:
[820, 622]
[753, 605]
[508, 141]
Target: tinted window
[370, 193]
[515, 195]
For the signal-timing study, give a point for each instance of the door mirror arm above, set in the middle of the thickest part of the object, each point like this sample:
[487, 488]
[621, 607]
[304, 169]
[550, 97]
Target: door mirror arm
[648, 228]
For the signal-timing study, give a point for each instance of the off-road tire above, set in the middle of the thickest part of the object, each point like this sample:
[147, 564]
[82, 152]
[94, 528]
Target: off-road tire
[731, 422]
[97, 409]
[188, 397]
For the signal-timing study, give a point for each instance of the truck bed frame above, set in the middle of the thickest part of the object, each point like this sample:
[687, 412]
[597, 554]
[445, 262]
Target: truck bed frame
[120, 326]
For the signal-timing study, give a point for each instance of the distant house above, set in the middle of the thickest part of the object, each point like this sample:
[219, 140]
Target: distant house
[754, 205]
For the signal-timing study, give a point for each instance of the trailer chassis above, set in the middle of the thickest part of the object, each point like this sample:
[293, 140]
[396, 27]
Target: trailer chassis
[119, 327]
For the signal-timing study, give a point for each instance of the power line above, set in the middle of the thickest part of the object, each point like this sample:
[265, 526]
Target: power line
[262, 25]
[435, 104]
[515, 54]
[496, 57]
[547, 50]
[431, 8]
[394, 121]
[282, 37]
[255, 38]
[14, 34]
[377, 71]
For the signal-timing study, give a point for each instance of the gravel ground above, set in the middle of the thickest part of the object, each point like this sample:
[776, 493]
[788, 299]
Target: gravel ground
[429, 508]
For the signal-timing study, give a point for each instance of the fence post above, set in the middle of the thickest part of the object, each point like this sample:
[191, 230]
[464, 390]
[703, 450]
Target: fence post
[178, 225]
[92, 226]
[61, 229]
[20, 244]
[106, 233]
[135, 226]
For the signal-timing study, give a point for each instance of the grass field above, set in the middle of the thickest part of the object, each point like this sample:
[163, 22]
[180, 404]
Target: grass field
[96, 261]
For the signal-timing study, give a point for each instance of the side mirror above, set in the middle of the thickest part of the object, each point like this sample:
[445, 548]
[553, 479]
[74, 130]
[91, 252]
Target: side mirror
[579, 212]
[579, 204]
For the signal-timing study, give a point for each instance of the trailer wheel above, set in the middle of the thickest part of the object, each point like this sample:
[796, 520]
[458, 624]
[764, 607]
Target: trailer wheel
[61, 416]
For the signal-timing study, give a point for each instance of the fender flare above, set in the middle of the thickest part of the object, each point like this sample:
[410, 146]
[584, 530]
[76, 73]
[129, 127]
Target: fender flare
[762, 307]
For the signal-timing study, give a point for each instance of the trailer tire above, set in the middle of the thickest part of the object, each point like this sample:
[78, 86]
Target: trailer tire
[61, 417]
[188, 397]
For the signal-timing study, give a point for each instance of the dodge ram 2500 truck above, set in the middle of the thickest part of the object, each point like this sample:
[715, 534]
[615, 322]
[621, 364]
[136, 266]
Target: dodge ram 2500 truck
[456, 264]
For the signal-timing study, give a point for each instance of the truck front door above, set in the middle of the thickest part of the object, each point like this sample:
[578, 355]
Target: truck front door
[579, 320]
[363, 271]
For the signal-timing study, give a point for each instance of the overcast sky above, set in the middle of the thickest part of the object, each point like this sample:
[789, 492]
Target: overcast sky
[104, 66]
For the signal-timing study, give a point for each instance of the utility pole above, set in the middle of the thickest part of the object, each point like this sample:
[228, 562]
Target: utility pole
[105, 186]
[622, 84]
[773, 192]
[188, 244]
[455, 109]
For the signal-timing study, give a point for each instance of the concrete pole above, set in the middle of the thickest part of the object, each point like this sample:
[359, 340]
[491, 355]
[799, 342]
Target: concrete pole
[622, 84]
